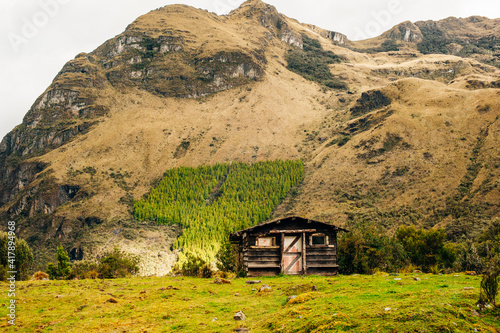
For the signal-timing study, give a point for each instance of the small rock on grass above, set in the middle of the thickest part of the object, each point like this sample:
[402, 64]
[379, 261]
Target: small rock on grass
[468, 288]
[265, 288]
[417, 279]
[253, 281]
[242, 330]
[387, 309]
[222, 281]
[289, 298]
[240, 316]
[314, 288]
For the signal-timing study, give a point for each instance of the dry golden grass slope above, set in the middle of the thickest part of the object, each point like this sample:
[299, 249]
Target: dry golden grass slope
[393, 163]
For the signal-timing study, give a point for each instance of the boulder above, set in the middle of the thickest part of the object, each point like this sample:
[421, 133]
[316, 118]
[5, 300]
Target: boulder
[240, 316]
[265, 288]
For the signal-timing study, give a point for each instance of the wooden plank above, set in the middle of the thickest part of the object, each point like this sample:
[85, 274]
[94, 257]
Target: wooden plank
[315, 265]
[294, 261]
[265, 261]
[323, 257]
[322, 252]
[320, 246]
[262, 253]
[282, 251]
[266, 258]
[291, 231]
[261, 265]
[326, 262]
[264, 247]
[304, 261]
[287, 250]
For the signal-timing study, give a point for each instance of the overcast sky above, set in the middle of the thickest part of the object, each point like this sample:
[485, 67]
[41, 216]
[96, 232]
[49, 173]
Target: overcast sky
[37, 37]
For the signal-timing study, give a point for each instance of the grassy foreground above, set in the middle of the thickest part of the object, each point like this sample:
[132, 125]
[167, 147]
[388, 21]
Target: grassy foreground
[359, 303]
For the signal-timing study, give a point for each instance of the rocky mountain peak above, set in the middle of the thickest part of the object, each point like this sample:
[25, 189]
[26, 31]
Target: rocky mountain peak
[406, 32]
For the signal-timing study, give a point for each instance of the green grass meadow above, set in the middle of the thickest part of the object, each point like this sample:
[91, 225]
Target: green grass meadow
[358, 303]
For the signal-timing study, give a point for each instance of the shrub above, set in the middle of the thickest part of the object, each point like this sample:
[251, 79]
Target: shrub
[63, 268]
[23, 260]
[117, 264]
[228, 258]
[468, 258]
[489, 287]
[194, 266]
[312, 62]
[426, 248]
[435, 269]
[364, 251]
[38, 276]
[85, 269]
[93, 274]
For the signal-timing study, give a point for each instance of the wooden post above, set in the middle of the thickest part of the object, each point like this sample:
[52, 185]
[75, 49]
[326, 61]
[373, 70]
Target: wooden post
[244, 241]
[304, 261]
[282, 250]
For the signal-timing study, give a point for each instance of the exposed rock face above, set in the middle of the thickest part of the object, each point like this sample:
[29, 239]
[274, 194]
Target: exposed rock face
[336, 37]
[271, 19]
[291, 37]
[406, 32]
[15, 178]
[43, 198]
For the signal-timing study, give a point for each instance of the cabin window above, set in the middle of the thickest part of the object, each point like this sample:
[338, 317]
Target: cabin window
[318, 239]
[266, 241]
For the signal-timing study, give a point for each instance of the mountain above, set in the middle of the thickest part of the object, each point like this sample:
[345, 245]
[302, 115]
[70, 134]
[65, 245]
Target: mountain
[474, 37]
[400, 137]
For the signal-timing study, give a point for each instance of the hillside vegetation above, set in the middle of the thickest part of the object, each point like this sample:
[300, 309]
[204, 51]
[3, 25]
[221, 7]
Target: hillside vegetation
[210, 202]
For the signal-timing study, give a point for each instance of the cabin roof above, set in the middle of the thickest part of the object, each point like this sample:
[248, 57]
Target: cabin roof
[277, 221]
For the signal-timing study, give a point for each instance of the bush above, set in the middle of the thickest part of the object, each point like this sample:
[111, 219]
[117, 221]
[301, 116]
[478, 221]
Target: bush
[364, 251]
[85, 269]
[489, 286]
[118, 264]
[426, 248]
[62, 270]
[468, 258]
[194, 266]
[228, 258]
[39, 276]
[23, 260]
[312, 62]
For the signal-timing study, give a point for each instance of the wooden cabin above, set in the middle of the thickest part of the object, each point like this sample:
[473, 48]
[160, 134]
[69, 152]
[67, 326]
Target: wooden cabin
[291, 245]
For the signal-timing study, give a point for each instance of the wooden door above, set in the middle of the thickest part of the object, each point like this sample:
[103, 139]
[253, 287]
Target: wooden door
[292, 254]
